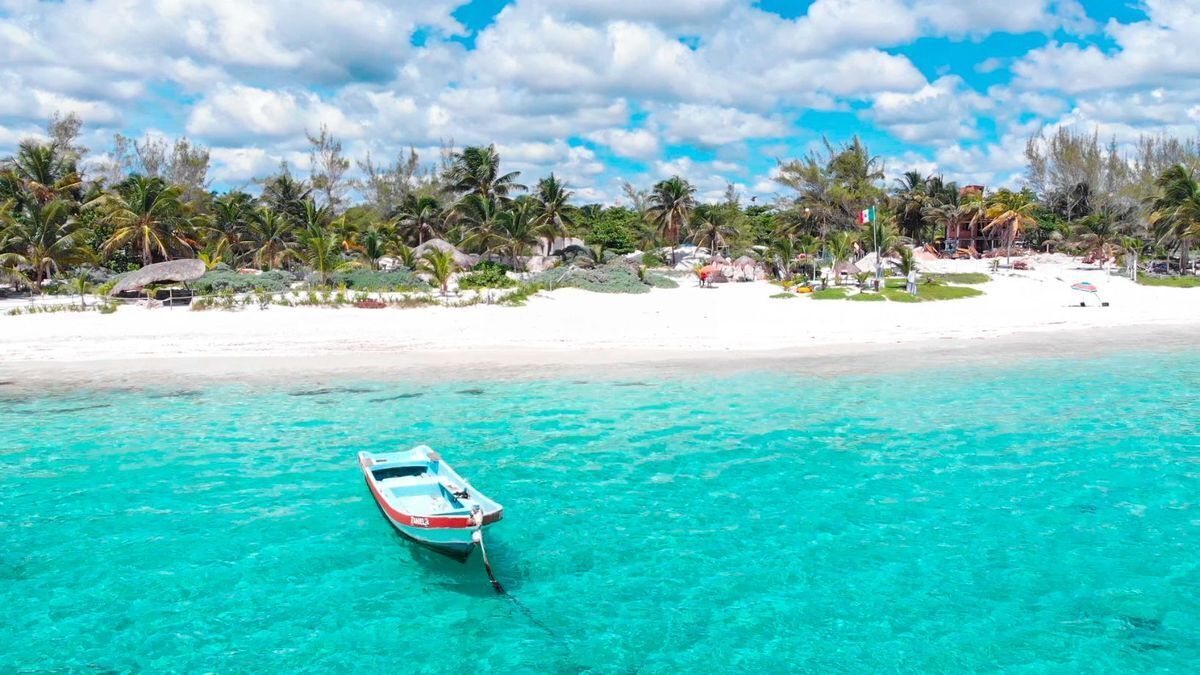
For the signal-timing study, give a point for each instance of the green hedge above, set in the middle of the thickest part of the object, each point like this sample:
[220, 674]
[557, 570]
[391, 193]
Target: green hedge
[401, 279]
[489, 276]
[273, 281]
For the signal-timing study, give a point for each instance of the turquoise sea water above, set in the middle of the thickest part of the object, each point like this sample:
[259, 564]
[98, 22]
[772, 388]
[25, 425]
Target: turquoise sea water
[1039, 516]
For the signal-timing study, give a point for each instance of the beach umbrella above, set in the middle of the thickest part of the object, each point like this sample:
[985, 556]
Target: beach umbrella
[181, 271]
[1090, 288]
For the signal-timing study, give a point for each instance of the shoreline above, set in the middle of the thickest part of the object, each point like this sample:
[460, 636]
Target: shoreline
[602, 364]
[574, 333]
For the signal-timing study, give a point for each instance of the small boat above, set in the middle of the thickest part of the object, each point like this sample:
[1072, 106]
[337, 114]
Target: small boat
[426, 501]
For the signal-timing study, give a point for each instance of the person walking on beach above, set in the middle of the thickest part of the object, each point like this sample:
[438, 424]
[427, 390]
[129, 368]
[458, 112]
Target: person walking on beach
[911, 287]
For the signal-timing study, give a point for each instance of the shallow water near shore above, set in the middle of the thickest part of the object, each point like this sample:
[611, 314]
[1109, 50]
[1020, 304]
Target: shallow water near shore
[1040, 515]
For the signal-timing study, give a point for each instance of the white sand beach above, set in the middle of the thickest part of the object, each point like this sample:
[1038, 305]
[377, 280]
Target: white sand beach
[565, 327]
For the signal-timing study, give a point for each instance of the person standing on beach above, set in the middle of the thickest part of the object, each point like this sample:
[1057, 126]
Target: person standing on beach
[912, 282]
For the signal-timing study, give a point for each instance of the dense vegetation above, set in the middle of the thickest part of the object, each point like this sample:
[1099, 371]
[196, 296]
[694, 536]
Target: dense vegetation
[151, 201]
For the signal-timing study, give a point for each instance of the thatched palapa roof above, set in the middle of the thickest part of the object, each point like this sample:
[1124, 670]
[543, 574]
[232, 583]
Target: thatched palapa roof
[157, 273]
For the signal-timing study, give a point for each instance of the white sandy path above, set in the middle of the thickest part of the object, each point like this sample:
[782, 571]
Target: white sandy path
[565, 323]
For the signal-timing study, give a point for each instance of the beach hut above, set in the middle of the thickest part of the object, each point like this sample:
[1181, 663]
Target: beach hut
[748, 269]
[172, 271]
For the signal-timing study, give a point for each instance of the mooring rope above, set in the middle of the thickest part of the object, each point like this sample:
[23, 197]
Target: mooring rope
[477, 536]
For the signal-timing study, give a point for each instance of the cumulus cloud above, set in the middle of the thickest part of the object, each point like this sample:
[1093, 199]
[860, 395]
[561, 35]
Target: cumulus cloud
[1162, 50]
[943, 110]
[554, 81]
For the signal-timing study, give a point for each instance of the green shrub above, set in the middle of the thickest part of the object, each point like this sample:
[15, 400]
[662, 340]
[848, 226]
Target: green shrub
[518, 297]
[653, 259]
[399, 279]
[490, 276]
[616, 277]
[272, 281]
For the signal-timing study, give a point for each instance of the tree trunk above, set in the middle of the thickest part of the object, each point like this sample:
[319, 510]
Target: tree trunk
[1185, 245]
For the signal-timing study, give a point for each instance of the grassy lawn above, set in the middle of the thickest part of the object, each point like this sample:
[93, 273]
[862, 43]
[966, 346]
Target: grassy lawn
[829, 294]
[962, 278]
[932, 292]
[898, 294]
[1173, 282]
[867, 297]
[785, 296]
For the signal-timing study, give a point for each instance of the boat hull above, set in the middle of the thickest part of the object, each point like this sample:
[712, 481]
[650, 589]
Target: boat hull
[451, 542]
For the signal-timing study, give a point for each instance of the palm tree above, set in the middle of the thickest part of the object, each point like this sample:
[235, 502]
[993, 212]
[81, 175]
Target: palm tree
[420, 217]
[1012, 212]
[476, 170]
[555, 212]
[781, 255]
[39, 172]
[1098, 234]
[1175, 212]
[908, 261]
[272, 238]
[322, 251]
[714, 227]
[376, 241]
[840, 246]
[44, 237]
[441, 266]
[286, 195]
[230, 223]
[149, 214]
[912, 197]
[480, 217]
[518, 227]
[671, 204]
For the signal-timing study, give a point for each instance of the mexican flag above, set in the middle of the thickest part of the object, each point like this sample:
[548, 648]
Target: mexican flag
[866, 216]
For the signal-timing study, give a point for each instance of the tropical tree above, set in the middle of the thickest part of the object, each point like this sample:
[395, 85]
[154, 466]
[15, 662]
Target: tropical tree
[908, 261]
[1099, 234]
[555, 214]
[1175, 212]
[376, 241]
[1012, 213]
[840, 246]
[781, 254]
[714, 227]
[286, 195]
[480, 219]
[420, 217]
[44, 237]
[149, 215]
[229, 223]
[518, 228]
[39, 172]
[671, 204]
[476, 170]
[440, 265]
[322, 251]
[272, 238]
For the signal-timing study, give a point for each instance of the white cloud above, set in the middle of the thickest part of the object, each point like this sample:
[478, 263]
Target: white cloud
[710, 125]
[1162, 50]
[941, 111]
[631, 143]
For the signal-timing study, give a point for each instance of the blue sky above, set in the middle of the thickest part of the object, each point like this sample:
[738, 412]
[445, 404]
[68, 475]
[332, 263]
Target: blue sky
[601, 91]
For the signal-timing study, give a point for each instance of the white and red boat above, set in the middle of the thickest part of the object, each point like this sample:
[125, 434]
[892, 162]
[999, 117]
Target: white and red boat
[426, 501]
